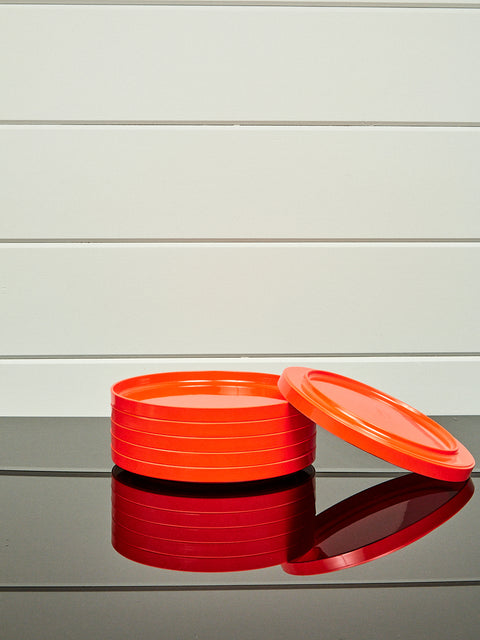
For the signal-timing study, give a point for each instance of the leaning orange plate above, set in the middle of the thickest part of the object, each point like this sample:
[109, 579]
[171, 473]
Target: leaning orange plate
[377, 423]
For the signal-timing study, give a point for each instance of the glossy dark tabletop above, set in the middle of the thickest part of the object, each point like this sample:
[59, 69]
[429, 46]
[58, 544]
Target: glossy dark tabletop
[62, 578]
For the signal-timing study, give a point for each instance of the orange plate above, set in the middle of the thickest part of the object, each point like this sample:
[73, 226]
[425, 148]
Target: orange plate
[213, 445]
[214, 460]
[184, 429]
[203, 396]
[209, 474]
[377, 423]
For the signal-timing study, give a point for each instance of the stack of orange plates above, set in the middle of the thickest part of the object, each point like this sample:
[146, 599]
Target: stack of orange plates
[195, 527]
[208, 426]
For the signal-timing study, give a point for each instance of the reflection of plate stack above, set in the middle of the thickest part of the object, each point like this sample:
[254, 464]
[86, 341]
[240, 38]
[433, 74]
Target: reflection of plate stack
[194, 527]
[208, 426]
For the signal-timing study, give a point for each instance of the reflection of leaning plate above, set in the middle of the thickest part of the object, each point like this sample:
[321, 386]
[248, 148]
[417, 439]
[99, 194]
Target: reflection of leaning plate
[210, 474]
[213, 460]
[202, 396]
[379, 521]
[212, 445]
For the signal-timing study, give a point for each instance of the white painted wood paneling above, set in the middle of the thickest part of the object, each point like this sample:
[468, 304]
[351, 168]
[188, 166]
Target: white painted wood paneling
[81, 387]
[239, 182]
[239, 63]
[229, 298]
[212, 64]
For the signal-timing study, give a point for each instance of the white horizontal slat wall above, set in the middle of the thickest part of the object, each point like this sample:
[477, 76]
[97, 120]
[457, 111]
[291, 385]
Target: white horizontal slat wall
[238, 187]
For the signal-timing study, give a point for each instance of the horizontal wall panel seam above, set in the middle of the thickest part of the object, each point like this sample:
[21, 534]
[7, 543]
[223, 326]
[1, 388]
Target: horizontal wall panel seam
[245, 359]
[225, 356]
[236, 241]
[243, 123]
[386, 4]
[238, 246]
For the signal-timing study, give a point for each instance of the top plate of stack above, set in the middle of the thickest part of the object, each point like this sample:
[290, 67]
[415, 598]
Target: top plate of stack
[203, 396]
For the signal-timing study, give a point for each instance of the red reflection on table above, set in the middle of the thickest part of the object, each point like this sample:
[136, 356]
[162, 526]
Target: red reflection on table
[204, 527]
[253, 525]
[379, 521]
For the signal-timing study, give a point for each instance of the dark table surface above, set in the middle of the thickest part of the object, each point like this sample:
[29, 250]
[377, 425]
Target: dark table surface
[62, 578]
